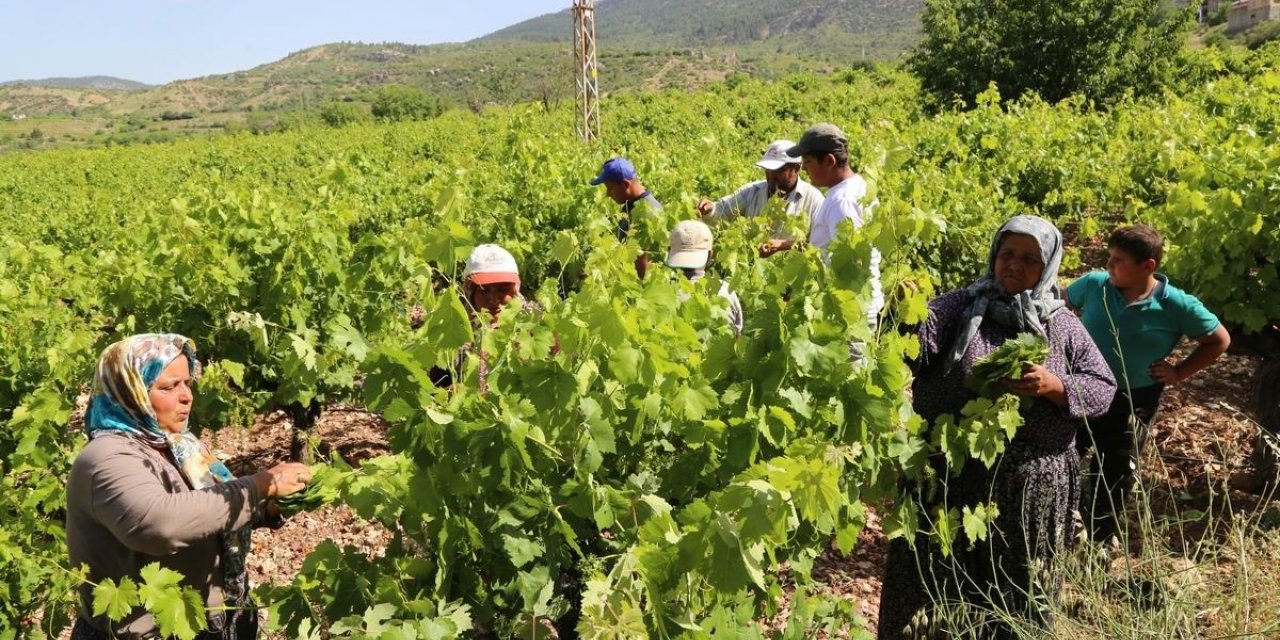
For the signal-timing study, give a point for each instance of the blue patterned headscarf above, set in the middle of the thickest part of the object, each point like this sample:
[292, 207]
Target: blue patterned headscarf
[122, 383]
[121, 404]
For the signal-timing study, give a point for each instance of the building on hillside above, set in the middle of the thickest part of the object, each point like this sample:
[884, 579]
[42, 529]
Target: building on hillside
[1206, 9]
[1247, 13]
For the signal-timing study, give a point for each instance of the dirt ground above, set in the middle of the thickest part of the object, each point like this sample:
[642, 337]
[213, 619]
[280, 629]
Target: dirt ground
[1199, 447]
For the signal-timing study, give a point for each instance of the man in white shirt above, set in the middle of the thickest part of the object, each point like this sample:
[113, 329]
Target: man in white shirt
[824, 154]
[781, 179]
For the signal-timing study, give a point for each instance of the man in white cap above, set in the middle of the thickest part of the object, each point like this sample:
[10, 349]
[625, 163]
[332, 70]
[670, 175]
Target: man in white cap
[491, 278]
[690, 251]
[781, 179]
[490, 281]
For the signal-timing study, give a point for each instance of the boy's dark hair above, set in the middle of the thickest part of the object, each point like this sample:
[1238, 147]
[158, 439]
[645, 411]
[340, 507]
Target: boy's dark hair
[841, 155]
[1140, 241]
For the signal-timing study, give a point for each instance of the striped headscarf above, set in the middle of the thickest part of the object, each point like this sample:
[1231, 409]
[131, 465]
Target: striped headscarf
[121, 404]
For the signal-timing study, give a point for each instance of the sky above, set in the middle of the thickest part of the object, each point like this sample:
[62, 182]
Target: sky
[158, 41]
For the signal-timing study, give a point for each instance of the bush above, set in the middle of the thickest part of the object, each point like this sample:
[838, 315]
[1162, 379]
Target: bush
[1262, 34]
[340, 114]
[1217, 39]
[404, 103]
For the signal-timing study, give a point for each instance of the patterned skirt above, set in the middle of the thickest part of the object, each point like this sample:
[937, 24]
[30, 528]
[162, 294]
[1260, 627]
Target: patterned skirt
[997, 587]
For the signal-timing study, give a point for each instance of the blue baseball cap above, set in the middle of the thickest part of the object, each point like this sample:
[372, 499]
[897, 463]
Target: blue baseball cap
[615, 170]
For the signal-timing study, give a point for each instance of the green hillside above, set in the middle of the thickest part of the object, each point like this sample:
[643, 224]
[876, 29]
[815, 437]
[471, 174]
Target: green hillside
[823, 29]
[642, 44]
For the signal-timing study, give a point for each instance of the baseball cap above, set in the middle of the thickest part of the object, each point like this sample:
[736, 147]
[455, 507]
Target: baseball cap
[491, 264]
[615, 170]
[775, 156]
[690, 245]
[823, 137]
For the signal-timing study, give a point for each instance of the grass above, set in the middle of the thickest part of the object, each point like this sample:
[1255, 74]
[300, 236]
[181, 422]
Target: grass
[1199, 556]
[1178, 572]
[1175, 574]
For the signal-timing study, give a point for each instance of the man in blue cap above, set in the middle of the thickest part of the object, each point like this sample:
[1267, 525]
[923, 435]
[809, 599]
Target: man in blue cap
[622, 184]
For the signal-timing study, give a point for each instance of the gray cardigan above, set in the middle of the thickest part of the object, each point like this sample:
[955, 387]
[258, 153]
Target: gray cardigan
[129, 506]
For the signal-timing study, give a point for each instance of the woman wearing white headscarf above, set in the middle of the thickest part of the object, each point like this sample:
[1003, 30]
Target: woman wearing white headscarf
[1036, 482]
[146, 490]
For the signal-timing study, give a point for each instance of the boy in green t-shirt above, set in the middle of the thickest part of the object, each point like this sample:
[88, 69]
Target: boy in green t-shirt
[1136, 317]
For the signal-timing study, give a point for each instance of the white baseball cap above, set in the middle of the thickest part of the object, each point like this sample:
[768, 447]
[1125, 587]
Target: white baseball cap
[490, 264]
[775, 157]
[690, 245]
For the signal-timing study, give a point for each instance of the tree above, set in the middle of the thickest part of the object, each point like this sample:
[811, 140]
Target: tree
[336, 113]
[500, 82]
[404, 103]
[1100, 49]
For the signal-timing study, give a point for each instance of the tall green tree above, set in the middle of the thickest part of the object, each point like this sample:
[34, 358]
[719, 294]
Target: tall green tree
[1100, 49]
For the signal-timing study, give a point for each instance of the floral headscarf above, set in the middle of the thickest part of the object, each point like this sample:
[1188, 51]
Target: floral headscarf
[121, 404]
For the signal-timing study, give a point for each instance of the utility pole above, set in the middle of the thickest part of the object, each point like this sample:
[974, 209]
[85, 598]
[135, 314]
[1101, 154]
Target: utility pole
[584, 49]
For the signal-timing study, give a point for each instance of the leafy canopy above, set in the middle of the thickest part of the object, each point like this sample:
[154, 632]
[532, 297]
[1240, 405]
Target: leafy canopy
[1099, 49]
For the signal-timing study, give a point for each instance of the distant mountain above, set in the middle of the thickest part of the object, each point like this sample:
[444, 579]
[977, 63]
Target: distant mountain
[92, 83]
[822, 28]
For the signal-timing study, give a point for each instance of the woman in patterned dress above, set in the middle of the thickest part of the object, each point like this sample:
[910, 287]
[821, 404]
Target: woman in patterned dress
[1001, 586]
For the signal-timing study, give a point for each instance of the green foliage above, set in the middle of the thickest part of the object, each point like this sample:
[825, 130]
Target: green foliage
[1258, 36]
[178, 610]
[990, 372]
[336, 113]
[404, 103]
[1217, 39]
[1222, 183]
[1099, 49]
[325, 487]
[628, 447]
[1218, 16]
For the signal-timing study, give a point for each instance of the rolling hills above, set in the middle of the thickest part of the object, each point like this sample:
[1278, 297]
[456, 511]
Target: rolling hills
[643, 44]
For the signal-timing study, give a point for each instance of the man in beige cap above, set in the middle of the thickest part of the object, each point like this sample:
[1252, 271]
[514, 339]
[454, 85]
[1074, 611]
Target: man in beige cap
[781, 179]
[690, 251]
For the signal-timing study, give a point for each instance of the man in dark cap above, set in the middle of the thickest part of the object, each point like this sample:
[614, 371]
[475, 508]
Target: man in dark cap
[824, 156]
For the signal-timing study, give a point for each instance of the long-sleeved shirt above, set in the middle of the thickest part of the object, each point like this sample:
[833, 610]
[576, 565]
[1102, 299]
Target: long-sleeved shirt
[128, 506]
[1086, 378]
[751, 199]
